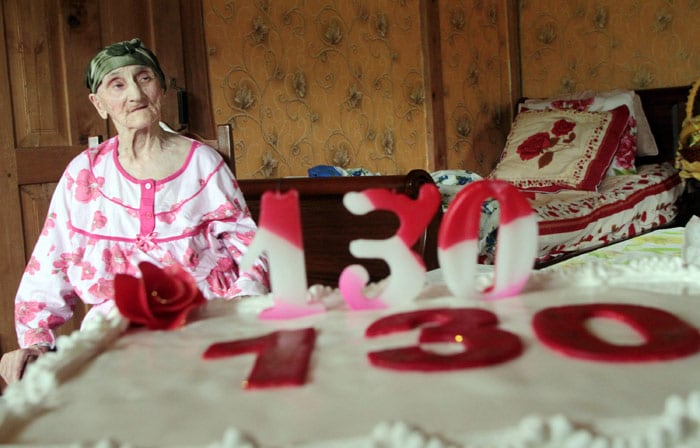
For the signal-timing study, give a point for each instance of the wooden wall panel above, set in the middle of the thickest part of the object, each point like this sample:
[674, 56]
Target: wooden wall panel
[11, 244]
[36, 77]
[35, 201]
[477, 40]
[434, 100]
[81, 39]
[168, 46]
[126, 19]
[201, 119]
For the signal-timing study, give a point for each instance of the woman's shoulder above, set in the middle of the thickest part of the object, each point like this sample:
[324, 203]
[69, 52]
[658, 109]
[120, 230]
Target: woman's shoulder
[204, 153]
[93, 156]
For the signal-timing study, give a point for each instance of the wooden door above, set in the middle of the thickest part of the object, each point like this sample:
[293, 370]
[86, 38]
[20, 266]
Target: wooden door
[45, 115]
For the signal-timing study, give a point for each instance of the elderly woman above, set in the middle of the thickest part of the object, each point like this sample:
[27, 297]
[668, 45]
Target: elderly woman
[144, 195]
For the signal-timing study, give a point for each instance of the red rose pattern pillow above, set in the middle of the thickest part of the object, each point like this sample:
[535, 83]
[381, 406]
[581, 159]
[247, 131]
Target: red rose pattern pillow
[623, 162]
[554, 150]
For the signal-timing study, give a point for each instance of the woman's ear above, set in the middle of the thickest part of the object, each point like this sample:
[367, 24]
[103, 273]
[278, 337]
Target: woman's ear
[95, 100]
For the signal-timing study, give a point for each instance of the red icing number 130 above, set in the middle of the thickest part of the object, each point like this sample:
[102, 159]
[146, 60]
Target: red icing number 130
[283, 356]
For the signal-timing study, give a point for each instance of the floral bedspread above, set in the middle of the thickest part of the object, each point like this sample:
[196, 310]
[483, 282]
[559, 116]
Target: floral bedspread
[572, 221]
[450, 182]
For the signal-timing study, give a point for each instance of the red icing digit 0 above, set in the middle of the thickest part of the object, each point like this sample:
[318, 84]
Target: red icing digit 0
[476, 329]
[665, 336]
[283, 357]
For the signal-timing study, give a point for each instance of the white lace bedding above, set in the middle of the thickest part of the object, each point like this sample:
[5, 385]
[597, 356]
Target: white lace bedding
[575, 221]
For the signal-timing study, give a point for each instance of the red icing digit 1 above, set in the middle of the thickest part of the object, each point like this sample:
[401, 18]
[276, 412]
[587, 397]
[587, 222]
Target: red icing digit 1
[283, 357]
[665, 336]
[459, 235]
[406, 267]
[484, 343]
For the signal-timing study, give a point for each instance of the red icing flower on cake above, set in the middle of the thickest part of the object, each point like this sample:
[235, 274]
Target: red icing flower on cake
[161, 299]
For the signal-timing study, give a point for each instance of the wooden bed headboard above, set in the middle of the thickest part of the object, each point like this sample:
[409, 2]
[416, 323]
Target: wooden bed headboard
[328, 227]
[664, 108]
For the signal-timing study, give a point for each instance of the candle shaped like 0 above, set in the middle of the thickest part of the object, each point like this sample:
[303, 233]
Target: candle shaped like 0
[459, 234]
[406, 267]
[279, 234]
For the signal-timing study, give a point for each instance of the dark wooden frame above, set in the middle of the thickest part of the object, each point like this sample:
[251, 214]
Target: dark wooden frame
[328, 227]
[664, 109]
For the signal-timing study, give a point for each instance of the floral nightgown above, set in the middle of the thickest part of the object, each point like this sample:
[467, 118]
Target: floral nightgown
[102, 221]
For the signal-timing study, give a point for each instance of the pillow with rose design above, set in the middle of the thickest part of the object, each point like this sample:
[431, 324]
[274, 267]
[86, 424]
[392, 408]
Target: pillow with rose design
[604, 101]
[552, 150]
[637, 139]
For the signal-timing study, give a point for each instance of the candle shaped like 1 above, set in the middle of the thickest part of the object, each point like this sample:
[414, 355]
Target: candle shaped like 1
[406, 267]
[279, 234]
[516, 248]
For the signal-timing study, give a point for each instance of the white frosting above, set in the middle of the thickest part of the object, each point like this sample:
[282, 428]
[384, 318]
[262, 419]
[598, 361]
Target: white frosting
[153, 388]
[36, 392]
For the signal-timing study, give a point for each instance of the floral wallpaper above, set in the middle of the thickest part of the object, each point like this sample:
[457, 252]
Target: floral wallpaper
[584, 45]
[477, 102]
[308, 83]
[342, 82]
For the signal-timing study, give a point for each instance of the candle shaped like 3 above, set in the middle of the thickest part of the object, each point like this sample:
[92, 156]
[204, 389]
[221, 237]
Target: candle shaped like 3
[406, 267]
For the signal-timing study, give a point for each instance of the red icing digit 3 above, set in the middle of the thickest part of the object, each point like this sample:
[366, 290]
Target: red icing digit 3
[476, 329]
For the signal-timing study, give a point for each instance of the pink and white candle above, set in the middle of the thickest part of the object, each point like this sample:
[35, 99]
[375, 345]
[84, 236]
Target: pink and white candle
[279, 235]
[406, 267]
[516, 247]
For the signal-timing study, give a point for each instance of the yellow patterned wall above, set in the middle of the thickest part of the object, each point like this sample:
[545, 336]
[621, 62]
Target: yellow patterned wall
[579, 45]
[476, 76]
[341, 82]
[308, 83]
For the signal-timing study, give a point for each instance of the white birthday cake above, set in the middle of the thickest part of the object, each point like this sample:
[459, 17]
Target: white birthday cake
[512, 377]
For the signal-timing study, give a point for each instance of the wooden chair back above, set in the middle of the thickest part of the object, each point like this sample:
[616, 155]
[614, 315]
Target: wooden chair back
[223, 143]
[328, 227]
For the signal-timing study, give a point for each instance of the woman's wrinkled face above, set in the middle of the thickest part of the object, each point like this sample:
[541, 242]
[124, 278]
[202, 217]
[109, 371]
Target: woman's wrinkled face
[130, 96]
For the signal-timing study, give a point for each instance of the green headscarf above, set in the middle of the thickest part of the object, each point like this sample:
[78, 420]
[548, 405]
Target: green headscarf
[117, 55]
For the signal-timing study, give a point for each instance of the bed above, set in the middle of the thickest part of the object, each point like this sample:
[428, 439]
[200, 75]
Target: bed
[633, 193]
[571, 221]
